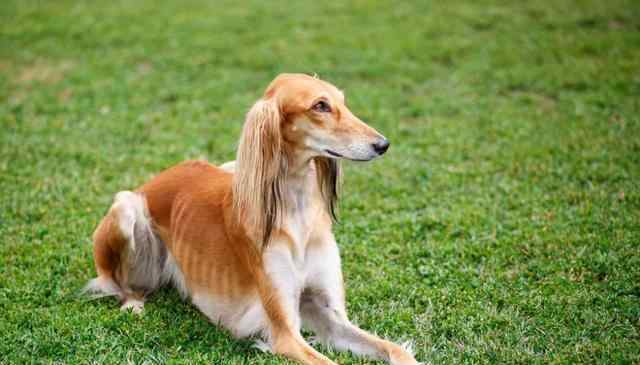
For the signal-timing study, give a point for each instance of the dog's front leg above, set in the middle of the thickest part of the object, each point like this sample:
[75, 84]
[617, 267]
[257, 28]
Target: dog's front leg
[323, 310]
[280, 294]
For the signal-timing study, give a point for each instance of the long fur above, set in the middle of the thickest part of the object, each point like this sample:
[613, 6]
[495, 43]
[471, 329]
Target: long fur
[328, 174]
[261, 171]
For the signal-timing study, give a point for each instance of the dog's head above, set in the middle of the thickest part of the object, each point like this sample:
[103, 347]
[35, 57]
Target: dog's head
[314, 118]
[299, 118]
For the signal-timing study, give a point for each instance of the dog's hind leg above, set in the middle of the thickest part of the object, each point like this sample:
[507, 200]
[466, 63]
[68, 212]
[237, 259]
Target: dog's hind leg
[128, 254]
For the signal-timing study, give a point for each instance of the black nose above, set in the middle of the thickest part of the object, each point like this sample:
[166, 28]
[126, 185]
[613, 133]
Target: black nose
[381, 146]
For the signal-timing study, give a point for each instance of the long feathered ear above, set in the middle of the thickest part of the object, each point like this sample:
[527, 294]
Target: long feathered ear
[328, 174]
[261, 167]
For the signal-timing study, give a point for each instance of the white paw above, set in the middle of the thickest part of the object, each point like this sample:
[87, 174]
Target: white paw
[408, 347]
[314, 340]
[262, 346]
[134, 305]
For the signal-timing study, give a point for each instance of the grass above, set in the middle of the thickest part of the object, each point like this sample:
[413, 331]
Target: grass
[503, 226]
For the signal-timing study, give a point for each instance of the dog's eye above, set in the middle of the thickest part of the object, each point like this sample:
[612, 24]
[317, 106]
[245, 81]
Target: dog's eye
[322, 107]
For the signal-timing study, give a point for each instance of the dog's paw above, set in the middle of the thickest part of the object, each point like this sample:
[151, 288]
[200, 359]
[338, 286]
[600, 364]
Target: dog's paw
[315, 340]
[262, 346]
[408, 347]
[403, 354]
[133, 305]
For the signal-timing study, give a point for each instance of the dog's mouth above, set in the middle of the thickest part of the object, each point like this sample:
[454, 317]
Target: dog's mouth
[337, 155]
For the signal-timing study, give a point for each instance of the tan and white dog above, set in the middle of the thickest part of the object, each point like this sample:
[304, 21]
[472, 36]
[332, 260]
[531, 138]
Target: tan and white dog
[250, 243]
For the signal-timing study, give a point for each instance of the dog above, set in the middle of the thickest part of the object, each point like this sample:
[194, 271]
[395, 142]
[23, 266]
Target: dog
[250, 243]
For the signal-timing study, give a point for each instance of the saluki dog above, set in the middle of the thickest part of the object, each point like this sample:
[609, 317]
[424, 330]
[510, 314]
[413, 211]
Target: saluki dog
[250, 242]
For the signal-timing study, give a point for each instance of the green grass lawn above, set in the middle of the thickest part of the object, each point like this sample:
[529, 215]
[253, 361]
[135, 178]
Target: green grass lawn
[503, 226]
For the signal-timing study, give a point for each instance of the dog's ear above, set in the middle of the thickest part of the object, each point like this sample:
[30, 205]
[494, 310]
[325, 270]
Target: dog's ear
[261, 140]
[328, 175]
[260, 171]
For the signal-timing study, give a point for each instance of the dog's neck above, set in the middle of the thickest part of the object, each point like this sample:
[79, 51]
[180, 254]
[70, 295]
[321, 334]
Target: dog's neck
[294, 192]
[301, 175]
[300, 191]
[300, 165]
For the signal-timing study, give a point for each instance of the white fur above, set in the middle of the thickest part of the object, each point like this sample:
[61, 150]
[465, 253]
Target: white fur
[146, 249]
[131, 208]
[101, 287]
[287, 280]
[134, 217]
[324, 310]
[134, 305]
[171, 273]
[244, 317]
[263, 346]
[229, 166]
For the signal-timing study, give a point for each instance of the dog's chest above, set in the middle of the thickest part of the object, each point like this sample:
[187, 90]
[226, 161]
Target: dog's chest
[306, 221]
[298, 223]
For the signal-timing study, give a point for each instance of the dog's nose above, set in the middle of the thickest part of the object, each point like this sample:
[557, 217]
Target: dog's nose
[381, 146]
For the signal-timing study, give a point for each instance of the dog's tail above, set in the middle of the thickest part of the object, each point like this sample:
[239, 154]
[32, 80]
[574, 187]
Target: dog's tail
[130, 257]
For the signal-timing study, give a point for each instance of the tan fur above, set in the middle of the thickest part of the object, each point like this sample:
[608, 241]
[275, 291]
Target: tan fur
[235, 235]
[262, 165]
